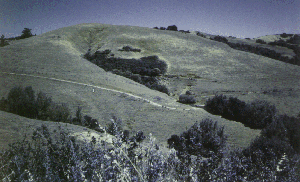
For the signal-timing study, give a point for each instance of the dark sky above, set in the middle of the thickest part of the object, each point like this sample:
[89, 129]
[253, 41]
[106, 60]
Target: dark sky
[239, 18]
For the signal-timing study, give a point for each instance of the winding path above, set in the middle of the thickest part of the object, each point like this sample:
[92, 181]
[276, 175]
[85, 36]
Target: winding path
[103, 88]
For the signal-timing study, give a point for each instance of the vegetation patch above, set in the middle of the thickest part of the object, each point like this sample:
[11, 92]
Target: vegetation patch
[129, 49]
[187, 99]
[256, 115]
[24, 102]
[144, 70]
[199, 154]
[260, 41]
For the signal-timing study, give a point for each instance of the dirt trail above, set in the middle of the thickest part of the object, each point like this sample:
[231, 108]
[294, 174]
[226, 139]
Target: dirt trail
[103, 88]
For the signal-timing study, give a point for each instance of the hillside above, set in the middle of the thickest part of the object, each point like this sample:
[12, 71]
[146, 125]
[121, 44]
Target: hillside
[53, 63]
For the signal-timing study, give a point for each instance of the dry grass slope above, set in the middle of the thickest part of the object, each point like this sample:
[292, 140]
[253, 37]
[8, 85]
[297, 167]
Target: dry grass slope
[59, 54]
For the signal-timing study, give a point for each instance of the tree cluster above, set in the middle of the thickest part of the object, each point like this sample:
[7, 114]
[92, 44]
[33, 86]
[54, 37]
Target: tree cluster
[3, 42]
[24, 102]
[144, 70]
[256, 115]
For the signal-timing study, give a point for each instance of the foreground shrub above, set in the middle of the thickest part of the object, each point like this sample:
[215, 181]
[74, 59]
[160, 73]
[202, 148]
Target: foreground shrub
[45, 158]
[241, 167]
[292, 130]
[259, 114]
[202, 139]
[63, 158]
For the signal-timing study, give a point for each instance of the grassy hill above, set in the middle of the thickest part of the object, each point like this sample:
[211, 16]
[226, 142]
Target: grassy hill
[53, 63]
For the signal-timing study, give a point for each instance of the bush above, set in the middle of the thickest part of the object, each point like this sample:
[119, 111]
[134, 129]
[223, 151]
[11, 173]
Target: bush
[256, 115]
[162, 28]
[270, 148]
[90, 122]
[187, 99]
[144, 70]
[59, 113]
[172, 27]
[216, 105]
[161, 88]
[292, 126]
[136, 78]
[284, 35]
[115, 127]
[260, 41]
[259, 114]
[24, 102]
[295, 39]
[220, 39]
[3, 42]
[46, 158]
[26, 33]
[129, 49]
[63, 158]
[275, 129]
[200, 140]
[43, 104]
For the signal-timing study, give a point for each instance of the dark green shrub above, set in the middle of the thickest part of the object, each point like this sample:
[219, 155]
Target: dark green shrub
[155, 72]
[143, 70]
[162, 28]
[90, 122]
[3, 42]
[22, 102]
[161, 88]
[136, 78]
[295, 39]
[129, 49]
[270, 147]
[25, 103]
[275, 129]
[187, 99]
[200, 140]
[43, 104]
[260, 41]
[78, 120]
[234, 109]
[59, 113]
[172, 28]
[3, 104]
[220, 39]
[155, 28]
[216, 105]
[292, 126]
[256, 115]
[26, 33]
[115, 127]
[283, 35]
[259, 114]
